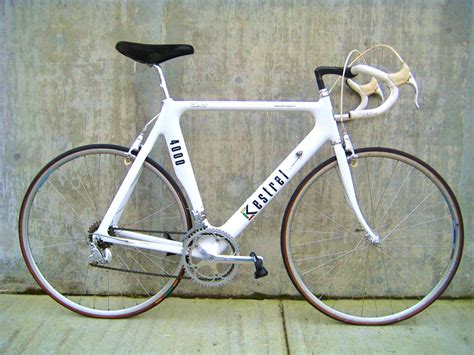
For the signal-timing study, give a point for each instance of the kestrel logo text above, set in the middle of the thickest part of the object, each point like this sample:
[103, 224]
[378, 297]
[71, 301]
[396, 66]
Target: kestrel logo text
[265, 195]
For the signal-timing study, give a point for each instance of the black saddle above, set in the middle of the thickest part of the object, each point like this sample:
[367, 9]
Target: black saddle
[153, 53]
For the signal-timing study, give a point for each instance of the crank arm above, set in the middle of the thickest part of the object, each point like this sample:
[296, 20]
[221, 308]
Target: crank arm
[260, 270]
[234, 259]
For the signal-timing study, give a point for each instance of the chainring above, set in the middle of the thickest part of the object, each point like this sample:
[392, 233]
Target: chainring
[204, 270]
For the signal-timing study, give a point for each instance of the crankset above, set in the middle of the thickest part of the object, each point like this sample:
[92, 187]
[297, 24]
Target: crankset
[211, 257]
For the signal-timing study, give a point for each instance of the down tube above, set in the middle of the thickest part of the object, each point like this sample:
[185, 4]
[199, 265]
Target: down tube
[275, 182]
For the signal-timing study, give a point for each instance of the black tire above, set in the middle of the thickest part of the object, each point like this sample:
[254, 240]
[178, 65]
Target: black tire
[66, 200]
[336, 268]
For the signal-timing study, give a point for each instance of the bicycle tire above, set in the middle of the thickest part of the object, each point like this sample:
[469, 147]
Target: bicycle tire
[64, 201]
[375, 277]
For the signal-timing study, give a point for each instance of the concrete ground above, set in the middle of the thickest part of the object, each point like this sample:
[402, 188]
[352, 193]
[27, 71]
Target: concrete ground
[37, 324]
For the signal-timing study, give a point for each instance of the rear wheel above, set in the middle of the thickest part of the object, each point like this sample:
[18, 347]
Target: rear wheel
[64, 205]
[339, 271]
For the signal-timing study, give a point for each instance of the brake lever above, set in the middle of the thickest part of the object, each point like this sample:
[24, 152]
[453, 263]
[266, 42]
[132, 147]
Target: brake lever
[373, 87]
[412, 82]
[364, 91]
[405, 76]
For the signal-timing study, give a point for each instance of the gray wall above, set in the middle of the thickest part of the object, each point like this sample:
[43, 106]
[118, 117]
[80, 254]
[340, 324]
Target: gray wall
[63, 84]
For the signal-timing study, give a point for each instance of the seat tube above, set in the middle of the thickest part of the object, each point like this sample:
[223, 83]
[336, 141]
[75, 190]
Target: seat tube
[172, 111]
[348, 184]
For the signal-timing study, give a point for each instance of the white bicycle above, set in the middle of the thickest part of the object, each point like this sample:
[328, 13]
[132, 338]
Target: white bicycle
[370, 236]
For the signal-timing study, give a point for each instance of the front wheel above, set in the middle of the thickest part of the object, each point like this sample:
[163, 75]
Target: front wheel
[63, 207]
[334, 265]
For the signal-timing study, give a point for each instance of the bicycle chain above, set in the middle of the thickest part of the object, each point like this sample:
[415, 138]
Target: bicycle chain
[138, 272]
[193, 234]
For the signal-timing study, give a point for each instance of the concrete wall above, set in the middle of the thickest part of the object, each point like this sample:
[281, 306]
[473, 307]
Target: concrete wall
[62, 84]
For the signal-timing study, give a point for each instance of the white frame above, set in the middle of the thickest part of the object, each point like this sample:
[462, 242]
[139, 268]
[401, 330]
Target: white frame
[168, 125]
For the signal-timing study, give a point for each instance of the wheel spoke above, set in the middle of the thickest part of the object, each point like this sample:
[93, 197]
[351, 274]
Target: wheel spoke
[127, 267]
[339, 268]
[331, 220]
[407, 216]
[63, 198]
[419, 224]
[387, 185]
[335, 259]
[387, 283]
[370, 189]
[397, 194]
[150, 215]
[90, 184]
[56, 245]
[59, 214]
[88, 197]
[322, 240]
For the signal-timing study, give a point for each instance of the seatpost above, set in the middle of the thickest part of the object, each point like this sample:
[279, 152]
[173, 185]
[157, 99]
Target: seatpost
[163, 86]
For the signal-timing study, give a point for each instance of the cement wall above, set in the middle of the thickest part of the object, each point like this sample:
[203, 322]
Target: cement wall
[62, 84]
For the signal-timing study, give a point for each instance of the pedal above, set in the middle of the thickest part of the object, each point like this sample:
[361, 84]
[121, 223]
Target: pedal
[260, 270]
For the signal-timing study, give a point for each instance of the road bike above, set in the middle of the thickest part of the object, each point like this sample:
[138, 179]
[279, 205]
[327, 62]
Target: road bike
[371, 236]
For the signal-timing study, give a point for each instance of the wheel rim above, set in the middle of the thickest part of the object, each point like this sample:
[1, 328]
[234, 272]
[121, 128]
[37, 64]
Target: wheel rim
[340, 272]
[55, 240]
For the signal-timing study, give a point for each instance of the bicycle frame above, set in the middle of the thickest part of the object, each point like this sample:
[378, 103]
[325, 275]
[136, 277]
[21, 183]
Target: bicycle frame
[168, 125]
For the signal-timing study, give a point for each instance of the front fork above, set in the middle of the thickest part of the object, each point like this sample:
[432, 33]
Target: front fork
[348, 184]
